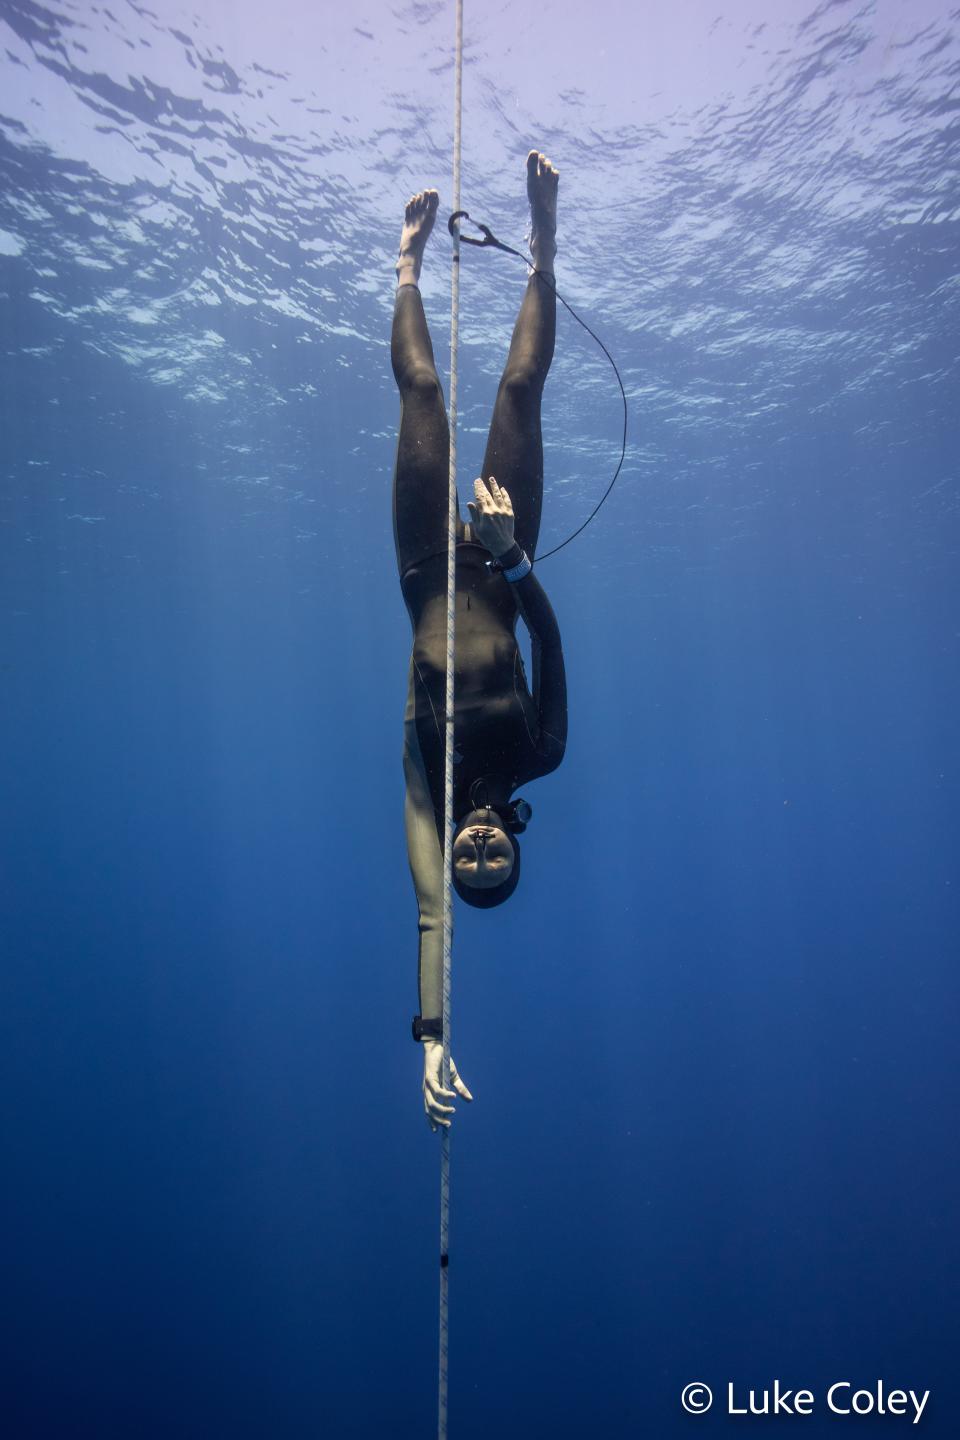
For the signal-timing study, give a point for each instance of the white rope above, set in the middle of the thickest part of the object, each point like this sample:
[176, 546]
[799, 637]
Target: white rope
[452, 515]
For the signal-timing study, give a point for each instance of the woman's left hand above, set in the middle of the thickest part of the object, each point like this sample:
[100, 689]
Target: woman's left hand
[491, 516]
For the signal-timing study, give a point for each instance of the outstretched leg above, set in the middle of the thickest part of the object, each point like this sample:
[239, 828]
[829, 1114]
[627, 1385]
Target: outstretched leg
[514, 453]
[421, 473]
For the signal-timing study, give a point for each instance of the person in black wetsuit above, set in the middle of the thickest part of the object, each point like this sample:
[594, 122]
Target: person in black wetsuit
[504, 736]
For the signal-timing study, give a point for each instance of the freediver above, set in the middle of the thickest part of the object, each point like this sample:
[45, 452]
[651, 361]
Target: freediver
[504, 736]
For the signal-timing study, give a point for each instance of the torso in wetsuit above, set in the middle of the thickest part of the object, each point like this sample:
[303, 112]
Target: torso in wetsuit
[497, 733]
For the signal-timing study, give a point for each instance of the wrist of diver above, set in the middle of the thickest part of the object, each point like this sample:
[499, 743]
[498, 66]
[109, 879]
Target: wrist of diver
[514, 564]
[426, 1030]
[510, 556]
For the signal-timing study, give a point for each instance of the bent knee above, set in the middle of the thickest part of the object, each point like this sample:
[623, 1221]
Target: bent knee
[522, 383]
[421, 380]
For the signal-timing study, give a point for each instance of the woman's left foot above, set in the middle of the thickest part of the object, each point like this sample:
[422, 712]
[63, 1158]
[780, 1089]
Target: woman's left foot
[542, 183]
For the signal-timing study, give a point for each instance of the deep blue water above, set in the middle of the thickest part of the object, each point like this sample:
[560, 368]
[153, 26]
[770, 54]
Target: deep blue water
[713, 1038]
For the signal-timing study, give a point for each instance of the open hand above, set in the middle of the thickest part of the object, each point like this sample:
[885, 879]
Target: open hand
[434, 1095]
[491, 515]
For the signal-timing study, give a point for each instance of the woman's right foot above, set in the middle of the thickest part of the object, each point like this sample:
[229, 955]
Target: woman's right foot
[418, 220]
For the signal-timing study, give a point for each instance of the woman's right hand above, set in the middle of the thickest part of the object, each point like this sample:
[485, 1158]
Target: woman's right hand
[434, 1095]
[491, 517]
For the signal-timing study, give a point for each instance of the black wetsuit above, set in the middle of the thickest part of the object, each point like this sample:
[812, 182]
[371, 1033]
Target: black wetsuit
[502, 733]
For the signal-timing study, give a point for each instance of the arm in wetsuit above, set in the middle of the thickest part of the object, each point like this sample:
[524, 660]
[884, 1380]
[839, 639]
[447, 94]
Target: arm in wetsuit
[491, 514]
[426, 867]
[549, 673]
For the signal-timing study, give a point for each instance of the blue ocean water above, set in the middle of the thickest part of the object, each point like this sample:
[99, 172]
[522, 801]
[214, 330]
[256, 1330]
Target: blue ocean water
[712, 1040]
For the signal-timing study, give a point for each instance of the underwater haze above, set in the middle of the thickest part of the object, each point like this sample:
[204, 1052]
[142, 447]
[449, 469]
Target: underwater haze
[713, 1039]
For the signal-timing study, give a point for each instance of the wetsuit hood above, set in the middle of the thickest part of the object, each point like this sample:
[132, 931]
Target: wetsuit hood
[491, 805]
[487, 899]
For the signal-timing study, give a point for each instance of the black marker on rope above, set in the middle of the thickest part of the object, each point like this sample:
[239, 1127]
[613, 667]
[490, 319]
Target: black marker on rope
[490, 241]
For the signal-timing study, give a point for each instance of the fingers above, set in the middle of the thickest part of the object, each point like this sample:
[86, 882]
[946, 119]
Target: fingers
[491, 496]
[434, 1093]
[437, 1112]
[457, 1082]
[500, 497]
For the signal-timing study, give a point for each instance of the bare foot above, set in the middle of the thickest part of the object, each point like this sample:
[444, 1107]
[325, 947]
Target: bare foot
[418, 220]
[542, 183]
